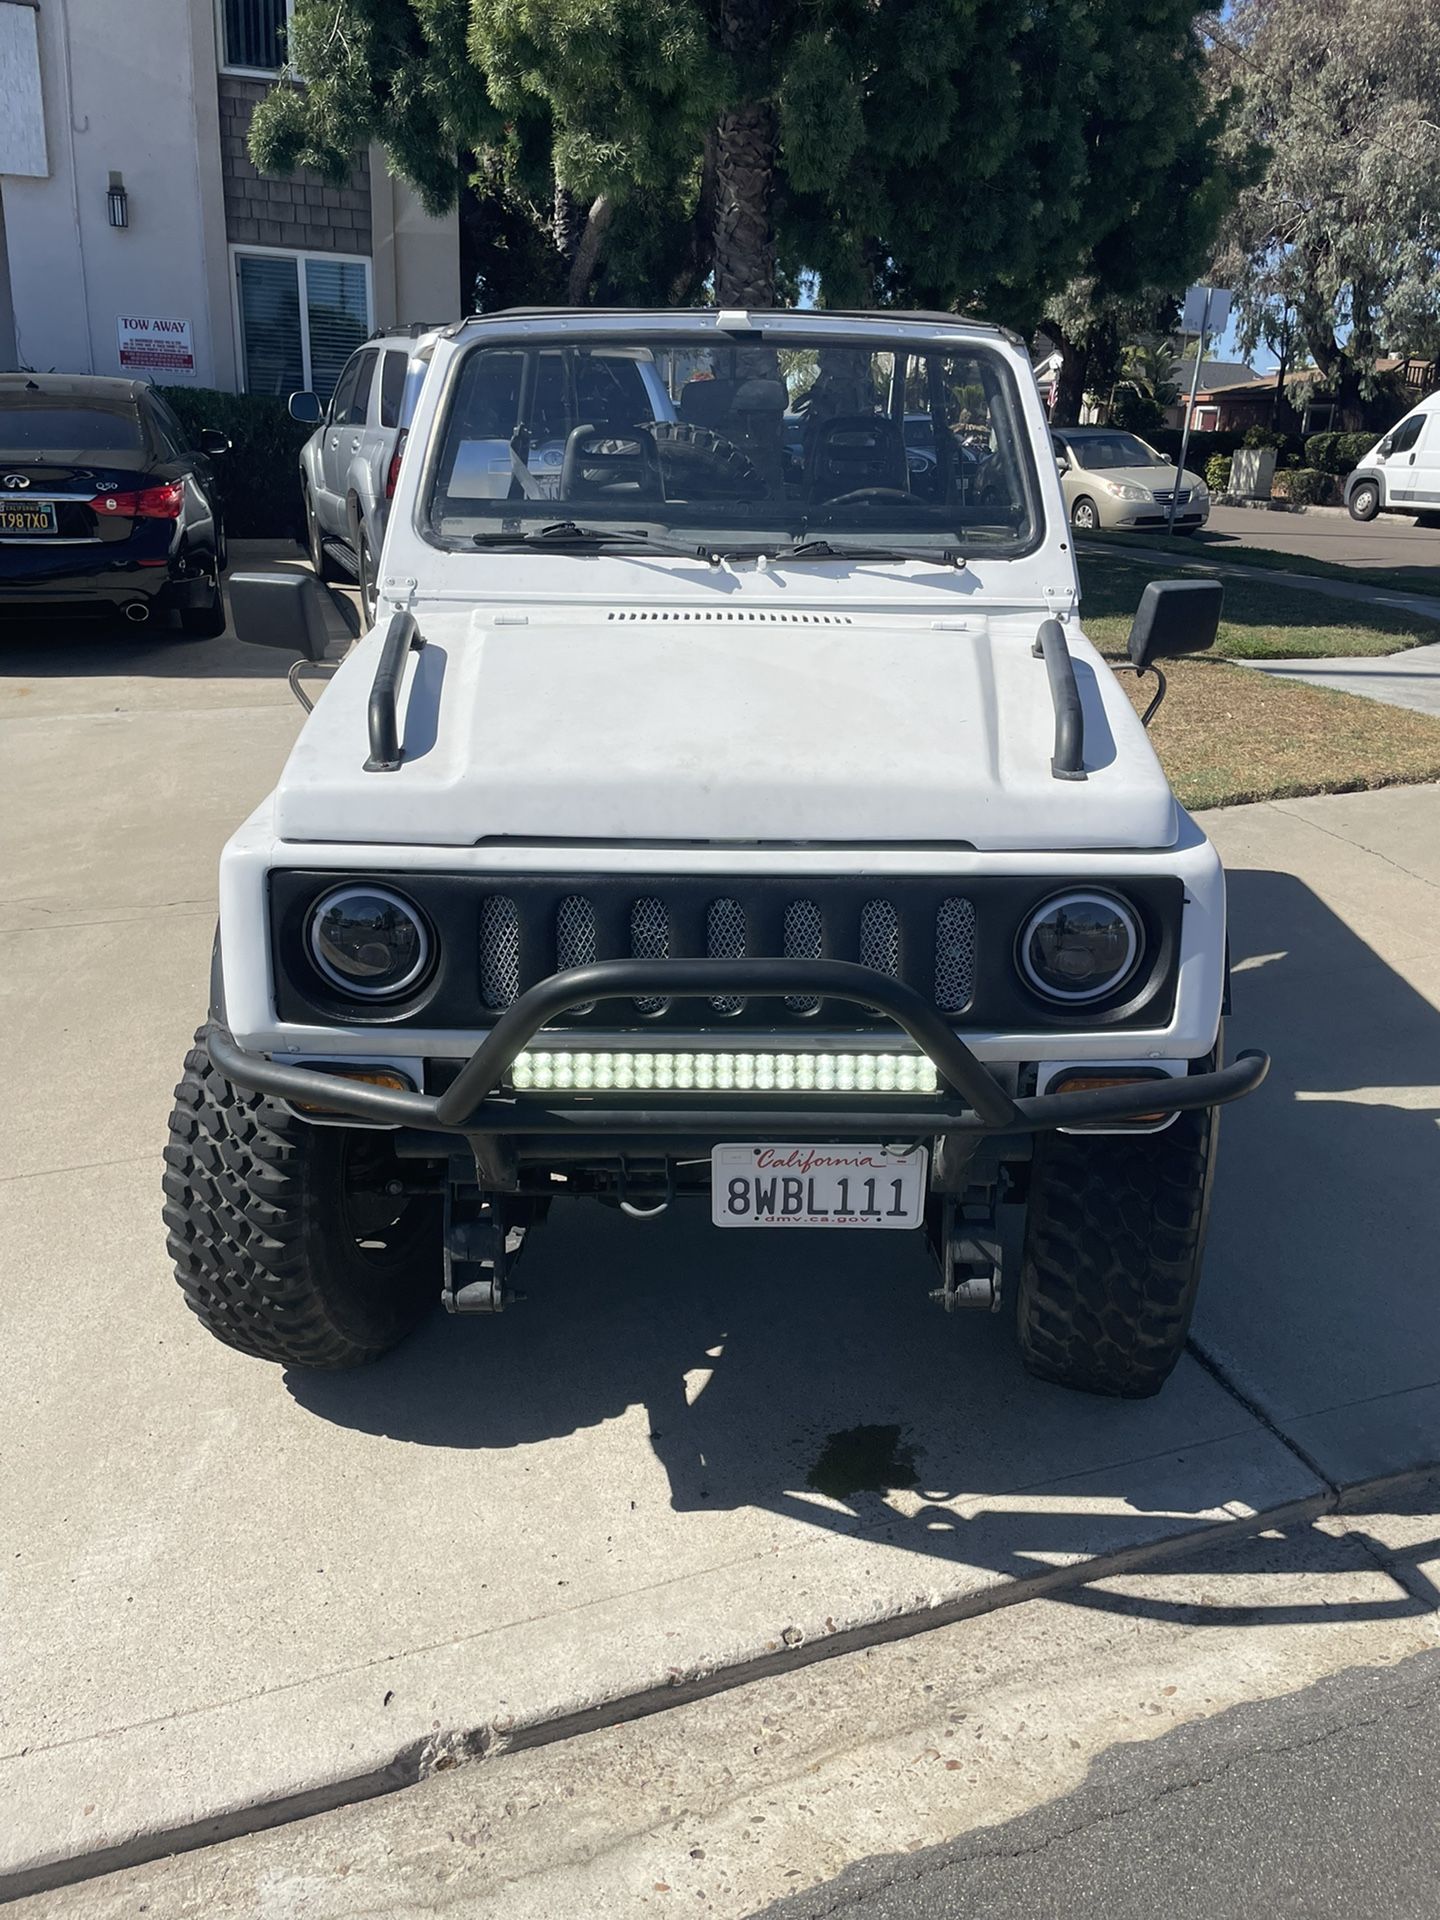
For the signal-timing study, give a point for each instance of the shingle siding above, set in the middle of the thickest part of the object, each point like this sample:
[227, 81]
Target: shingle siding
[297, 210]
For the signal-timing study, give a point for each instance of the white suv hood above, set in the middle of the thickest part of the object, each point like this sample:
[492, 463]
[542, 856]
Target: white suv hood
[663, 725]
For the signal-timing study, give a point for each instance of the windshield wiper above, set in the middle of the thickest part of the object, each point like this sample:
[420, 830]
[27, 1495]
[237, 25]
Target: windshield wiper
[569, 533]
[826, 550]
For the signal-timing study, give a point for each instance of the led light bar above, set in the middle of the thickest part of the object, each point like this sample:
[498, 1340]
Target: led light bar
[614, 1072]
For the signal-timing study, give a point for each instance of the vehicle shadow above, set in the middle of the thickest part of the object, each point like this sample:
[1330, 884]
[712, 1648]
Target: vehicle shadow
[106, 646]
[770, 1370]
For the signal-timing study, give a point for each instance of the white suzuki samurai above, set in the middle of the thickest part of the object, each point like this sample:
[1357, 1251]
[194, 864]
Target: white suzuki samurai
[725, 804]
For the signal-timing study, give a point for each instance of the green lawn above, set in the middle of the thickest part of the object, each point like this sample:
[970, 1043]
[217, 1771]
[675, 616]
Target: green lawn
[1263, 619]
[1227, 734]
[1197, 548]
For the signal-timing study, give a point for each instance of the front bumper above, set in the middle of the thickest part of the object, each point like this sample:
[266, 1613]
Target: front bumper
[971, 1100]
[152, 565]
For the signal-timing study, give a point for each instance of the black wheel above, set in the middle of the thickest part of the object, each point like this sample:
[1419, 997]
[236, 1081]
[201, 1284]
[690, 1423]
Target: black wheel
[285, 1241]
[1364, 501]
[696, 464]
[365, 579]
[206, 622]
[319, 559]
[1113, 1243]
[1083, 516]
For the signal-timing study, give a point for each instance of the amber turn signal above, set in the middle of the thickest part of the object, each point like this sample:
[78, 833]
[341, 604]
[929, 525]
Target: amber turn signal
[1085, 1082]
[372, 1076]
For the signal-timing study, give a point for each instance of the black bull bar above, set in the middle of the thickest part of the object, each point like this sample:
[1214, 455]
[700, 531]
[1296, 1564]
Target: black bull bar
[976, 1102]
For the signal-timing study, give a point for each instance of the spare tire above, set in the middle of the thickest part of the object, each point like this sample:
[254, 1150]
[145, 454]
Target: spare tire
[697, 464]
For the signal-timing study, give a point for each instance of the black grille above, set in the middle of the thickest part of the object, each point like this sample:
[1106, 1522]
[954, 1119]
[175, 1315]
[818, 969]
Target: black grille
[838, 922]
[953, 942]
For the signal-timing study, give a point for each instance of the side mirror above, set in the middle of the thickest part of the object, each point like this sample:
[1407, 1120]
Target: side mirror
[1386, 446]
[213, 441]
[1062, 465]
[1175, 616]
[285, 610]
[306, 408]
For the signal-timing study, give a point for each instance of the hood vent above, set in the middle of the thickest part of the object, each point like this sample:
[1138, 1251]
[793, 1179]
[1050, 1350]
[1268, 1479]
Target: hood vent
[734, 616]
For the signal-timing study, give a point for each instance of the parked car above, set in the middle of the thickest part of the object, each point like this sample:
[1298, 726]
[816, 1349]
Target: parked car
[349, 465]
[1115, 479]
[710, 831]
[105, 504]
[1401, 473]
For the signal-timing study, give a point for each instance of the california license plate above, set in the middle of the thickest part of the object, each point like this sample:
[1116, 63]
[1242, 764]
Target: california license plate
[773, 1185]
[28, 517]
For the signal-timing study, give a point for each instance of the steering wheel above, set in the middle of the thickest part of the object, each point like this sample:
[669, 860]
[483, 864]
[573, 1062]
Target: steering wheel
[868, 493]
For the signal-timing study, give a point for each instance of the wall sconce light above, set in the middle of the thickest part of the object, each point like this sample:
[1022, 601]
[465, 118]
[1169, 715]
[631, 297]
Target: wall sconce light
[117, 202]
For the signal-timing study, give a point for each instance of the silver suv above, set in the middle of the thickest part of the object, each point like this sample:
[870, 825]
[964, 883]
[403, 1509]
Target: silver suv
[349, 465]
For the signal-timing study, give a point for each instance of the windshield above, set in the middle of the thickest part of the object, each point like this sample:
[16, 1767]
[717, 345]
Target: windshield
[1098, 450]
[915, 449]
[33, 426]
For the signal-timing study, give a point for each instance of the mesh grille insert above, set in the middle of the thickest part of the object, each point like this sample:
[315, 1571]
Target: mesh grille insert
[725, 940]
[650, 940]
[803, 941]
[880, 937]
[575, 938]
[954, 955]
[499, 950]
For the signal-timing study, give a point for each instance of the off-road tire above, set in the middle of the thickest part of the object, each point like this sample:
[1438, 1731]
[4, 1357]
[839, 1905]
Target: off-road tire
[365, 580]
[320, 560]
[263, 1246]
[1364, 501]
[1111, 1263]
[702, 465]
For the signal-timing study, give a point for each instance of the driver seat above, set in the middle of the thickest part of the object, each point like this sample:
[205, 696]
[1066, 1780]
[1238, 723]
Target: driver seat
[855, 450]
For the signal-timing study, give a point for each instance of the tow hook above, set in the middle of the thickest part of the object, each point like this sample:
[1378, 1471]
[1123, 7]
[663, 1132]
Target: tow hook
[482, 1245]
[969, 1256]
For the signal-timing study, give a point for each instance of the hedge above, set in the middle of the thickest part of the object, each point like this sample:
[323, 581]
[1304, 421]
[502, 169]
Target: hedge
[259, 479]
[1217, 472]
[1306, 486]
[1338, 453]
[1166, 440]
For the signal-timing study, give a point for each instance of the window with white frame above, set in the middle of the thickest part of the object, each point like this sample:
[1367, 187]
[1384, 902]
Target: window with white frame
[300, 316]
[253, 33]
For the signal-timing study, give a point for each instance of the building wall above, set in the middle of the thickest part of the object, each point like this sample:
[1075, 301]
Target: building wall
[72, 276]
[299, 210]
[132, 87]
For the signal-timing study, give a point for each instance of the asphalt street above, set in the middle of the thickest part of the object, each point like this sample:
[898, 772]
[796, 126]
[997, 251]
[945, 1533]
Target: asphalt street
[1319, 1804]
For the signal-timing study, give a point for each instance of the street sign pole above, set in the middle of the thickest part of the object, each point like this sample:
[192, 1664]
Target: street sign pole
[1189, 412]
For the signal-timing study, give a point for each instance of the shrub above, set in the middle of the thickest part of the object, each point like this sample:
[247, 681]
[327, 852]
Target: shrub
[259, 479]
[1352, 449]
[1320, 452]
[1217, 472]
[1306, 486]
[1265, 437]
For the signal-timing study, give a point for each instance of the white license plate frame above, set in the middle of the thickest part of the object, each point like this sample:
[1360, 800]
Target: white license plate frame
[866, 1188]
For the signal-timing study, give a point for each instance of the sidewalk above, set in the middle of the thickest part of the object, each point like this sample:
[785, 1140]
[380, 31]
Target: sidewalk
[1410, 679]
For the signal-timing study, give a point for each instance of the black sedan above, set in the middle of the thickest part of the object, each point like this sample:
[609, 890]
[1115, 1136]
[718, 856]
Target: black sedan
[105, 504]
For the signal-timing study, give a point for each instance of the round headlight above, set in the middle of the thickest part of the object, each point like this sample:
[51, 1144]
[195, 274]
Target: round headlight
[369, 941]
[1079, 946]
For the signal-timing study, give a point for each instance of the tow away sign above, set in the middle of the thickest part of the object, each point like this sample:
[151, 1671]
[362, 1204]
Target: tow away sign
[155, 345]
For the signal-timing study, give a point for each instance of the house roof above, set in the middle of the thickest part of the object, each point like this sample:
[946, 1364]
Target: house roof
[1215, 375]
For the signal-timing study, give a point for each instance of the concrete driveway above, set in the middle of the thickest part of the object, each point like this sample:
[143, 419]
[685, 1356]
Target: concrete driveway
[234, 1593]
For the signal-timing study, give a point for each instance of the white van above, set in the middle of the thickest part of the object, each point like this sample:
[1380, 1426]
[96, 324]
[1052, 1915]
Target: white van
[1401, 473]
